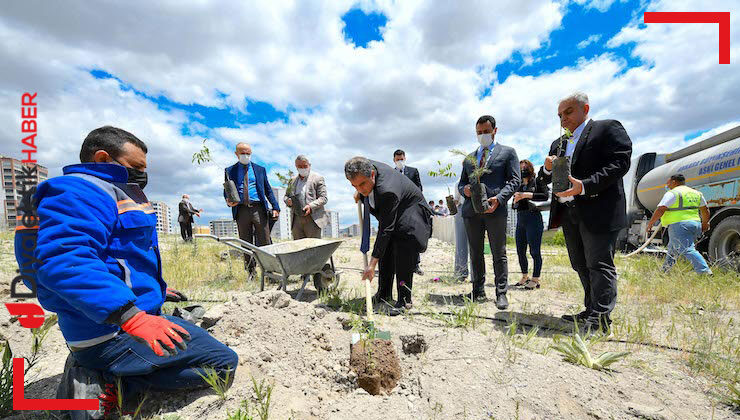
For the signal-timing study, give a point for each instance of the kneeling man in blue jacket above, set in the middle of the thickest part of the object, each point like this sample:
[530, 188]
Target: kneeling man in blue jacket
[98, 267]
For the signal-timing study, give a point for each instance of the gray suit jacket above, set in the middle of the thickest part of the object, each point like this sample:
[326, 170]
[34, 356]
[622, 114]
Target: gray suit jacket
[315, 197]
[501, 182]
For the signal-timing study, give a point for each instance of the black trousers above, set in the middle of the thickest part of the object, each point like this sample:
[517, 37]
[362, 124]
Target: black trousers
[253, 226]
[529, 228]
[495, 225]
[592, 257]
[398, 261]
[186, 231]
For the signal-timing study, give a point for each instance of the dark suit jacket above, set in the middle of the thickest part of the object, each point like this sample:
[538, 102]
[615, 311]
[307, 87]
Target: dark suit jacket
[264, 190]
[186, 212]
[501, 182]
[413, 174]
[601, 158]
[400, 209]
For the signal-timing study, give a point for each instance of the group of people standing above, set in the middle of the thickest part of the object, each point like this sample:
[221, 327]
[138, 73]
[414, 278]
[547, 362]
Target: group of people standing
[591, 211]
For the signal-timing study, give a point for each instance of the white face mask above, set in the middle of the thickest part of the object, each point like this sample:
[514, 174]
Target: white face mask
[244, 159]
[303, 172]
[400, 164]
[485, 140]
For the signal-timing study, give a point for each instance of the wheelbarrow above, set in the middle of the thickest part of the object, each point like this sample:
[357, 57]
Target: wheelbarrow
[304, 257]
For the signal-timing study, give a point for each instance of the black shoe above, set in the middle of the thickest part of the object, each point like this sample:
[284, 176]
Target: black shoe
[418, 271]
[596, 325]
[399, 308]
[502, 302]
[580, 317]
[590, 328]
[378, 299]
[478, 297]
[79, 382]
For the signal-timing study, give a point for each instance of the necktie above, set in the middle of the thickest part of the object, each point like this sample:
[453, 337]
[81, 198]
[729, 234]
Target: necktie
[365, 244]
[246, 185]
[483, 158]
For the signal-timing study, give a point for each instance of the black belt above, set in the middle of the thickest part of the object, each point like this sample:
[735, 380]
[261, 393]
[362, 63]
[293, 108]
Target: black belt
[571, 204]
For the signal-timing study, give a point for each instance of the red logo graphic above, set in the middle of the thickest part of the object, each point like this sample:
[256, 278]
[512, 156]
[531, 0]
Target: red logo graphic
[30, 315]
[722, 18]
[20, 403]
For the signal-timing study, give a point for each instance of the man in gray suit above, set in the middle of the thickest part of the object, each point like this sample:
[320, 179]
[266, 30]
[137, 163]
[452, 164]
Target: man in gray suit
[500, 183]
[307, 199]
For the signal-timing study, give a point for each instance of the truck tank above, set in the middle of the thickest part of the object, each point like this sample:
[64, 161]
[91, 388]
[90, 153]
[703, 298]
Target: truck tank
[712, 166]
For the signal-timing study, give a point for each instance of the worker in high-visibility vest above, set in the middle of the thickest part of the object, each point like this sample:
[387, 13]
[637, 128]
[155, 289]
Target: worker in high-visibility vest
[683, 212]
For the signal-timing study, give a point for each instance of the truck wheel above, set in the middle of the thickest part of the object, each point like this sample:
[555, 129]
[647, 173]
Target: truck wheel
[724, 244]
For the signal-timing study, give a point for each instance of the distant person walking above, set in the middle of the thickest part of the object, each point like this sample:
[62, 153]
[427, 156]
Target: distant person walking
[185, 218]
[683, 211]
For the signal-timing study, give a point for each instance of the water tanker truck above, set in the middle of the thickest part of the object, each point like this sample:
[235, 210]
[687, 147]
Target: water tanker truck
[711, 166]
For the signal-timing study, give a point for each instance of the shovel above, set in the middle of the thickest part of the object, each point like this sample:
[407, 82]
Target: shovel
[385, 335]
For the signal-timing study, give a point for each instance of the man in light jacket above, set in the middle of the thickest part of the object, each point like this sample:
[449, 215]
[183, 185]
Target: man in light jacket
[307, 199]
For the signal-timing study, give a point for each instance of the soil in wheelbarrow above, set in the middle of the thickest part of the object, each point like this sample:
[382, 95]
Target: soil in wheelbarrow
[376, 364]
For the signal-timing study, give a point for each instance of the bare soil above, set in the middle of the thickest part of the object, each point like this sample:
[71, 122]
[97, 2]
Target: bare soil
[474, 372]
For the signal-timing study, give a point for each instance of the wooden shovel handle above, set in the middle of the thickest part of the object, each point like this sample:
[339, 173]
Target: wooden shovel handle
[368, 297]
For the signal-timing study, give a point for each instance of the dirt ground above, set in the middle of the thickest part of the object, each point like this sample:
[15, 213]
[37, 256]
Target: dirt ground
[474, 368]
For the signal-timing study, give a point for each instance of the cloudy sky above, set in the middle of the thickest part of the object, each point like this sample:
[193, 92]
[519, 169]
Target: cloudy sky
[336, 79]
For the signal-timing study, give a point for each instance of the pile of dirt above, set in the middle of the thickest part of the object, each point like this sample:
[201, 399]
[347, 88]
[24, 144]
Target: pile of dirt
[377, 366]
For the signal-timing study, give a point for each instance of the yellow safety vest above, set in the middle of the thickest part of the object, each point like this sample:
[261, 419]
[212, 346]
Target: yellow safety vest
[686, 206]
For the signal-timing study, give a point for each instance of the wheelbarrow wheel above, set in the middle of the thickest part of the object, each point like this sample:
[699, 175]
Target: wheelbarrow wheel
[322, 280]
[319, 283]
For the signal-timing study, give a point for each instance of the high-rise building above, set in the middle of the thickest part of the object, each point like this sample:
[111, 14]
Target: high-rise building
[281, 229]
[13, 179]
[354, 230]
[331, 230]
[224, 227]
[164, 220]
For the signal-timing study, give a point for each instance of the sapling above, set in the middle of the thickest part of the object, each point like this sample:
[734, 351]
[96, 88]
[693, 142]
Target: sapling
[478, 193]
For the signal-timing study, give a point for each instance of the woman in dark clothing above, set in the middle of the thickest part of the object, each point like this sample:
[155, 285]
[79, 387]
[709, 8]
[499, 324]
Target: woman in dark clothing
[529, 224]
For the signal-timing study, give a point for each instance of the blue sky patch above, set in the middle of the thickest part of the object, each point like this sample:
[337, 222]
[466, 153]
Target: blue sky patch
[582, 35]
[257, 111]
[360, 28]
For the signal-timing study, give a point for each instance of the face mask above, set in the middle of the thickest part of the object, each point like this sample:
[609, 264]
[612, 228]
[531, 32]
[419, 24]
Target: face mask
[135, 176]
[303, 172]
[400, 164]
[667, 188]
[485, 140]
[525, 173]
[244, 159]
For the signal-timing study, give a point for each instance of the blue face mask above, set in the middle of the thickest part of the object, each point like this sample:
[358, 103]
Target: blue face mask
[666, 188]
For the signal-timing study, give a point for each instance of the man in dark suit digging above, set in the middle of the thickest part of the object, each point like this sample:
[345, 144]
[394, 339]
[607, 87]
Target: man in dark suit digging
[405, 225]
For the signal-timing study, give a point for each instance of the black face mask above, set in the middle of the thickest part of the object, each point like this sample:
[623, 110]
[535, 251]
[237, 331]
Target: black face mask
[135, 176]
[526, 173]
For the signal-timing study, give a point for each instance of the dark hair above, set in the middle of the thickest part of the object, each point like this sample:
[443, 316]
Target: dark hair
[527, 164]
[399, 152]
[358, 165]
[431, 202]
[110, 139]
[483, 119]
[678, 178]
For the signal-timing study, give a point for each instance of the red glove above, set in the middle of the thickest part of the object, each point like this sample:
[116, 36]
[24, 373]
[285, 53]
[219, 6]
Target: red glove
[157, 332]
[173, 295]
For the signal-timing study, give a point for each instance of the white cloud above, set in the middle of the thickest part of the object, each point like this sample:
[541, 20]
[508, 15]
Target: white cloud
[588, 41]
[417, 90]
[600, 5]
